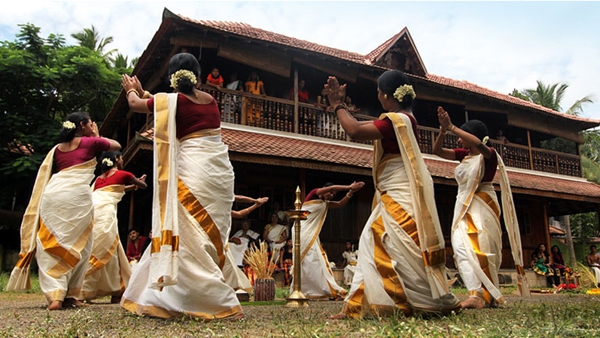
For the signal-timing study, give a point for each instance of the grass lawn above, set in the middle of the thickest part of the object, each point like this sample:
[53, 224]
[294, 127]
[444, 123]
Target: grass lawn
[567, 314]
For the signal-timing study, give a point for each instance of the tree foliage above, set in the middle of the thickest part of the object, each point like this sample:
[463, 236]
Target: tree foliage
[41, 81]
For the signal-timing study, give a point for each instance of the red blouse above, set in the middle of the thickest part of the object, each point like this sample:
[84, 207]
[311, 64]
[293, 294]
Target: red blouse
[193, 117]
[490, 164]
[119, 177]
[312, 195]
[86, 150]
[386, 128]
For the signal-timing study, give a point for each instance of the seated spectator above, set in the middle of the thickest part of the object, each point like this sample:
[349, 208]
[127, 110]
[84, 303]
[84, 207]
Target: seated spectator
[593, 261]
[350, 261]
[215, 79]
[286, 261]
[302, 93]
[136, 245]
[557, 262]
[239, 242]
[540, 263]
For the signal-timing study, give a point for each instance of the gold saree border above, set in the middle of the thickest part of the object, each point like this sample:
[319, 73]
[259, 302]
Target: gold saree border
[159, 312]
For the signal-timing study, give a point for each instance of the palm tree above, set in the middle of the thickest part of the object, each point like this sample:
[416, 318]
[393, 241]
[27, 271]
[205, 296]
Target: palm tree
[90, 38]
[550, 96]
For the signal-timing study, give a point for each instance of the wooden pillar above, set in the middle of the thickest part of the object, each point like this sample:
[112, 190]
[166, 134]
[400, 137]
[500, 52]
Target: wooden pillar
[296, 117]
[530, 152]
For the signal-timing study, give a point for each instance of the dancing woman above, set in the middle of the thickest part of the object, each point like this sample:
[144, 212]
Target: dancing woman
[109, 270]
[476, 232]
[57, 225]
[317, 278]
[401, 266]
[193, 194]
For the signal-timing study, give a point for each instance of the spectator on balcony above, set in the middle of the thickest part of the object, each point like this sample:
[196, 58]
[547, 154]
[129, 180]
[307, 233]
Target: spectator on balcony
[500, 136]
[477, 210]
[254, 109]
[302, 92]
[402, 213]
[351, 106]
[215, 79]
[232, 102]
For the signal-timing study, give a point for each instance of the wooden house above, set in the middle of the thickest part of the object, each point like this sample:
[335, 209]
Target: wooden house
[293, 143]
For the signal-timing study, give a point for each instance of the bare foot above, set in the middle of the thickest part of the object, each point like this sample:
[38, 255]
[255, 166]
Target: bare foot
[473, 303]
[72, 302]
[340, 315]
[55, 305]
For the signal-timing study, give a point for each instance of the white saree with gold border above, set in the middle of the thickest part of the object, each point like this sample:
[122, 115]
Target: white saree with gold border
[476, 230]
[180, 272]
[109, 271]
[401, 266]
[57, 227]
[317, 278]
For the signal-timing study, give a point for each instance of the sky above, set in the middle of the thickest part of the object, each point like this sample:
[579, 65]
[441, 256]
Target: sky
[497, 45]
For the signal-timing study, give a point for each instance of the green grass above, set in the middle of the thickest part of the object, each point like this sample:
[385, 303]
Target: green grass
[567, 314]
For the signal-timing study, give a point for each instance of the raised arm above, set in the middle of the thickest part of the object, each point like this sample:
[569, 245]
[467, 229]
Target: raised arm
[137, 98]
[352, 188]
[137, 183]
[444, 119]
[244, 212]
[364, 130]
[438, 148]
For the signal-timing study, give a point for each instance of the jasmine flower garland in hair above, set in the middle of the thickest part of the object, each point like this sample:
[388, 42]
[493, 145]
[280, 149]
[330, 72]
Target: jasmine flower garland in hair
[403, 91]
[108, 162]
[182, 73]
[68, 125]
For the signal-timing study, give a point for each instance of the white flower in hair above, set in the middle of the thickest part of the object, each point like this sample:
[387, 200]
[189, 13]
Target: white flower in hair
[68, 125]
[108, 162]
[182, 73]
[403, 90]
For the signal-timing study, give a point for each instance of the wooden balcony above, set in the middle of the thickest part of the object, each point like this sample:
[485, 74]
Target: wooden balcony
[316, 120]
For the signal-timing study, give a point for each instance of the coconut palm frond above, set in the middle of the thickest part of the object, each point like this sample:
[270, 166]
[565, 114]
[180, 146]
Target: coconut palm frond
[587, 279]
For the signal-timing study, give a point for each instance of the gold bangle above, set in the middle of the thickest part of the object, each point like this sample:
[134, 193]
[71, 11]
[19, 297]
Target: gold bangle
[349, 195]
[442, 131]
[451, 128]
[132, 90]
[146, 94]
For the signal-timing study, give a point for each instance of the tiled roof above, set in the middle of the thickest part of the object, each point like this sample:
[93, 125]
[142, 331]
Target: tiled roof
[466, 85]
[556, 231]
[269, 143]
[245, 30]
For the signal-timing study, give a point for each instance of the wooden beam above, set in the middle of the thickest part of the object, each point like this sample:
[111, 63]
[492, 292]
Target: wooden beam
[258, 56]
[547, 125]
[189, 40]
[345, 72]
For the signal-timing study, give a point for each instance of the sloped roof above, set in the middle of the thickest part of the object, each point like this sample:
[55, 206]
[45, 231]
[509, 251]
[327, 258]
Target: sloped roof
[269, 143]
[247, 31]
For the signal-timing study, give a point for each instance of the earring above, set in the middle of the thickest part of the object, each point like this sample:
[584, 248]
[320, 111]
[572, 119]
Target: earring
[385, 96]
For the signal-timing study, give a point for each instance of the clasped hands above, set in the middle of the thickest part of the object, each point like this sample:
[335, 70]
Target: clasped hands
[444, 120]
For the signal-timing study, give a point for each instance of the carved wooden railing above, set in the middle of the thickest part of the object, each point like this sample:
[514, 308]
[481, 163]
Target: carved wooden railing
[513, 155]
[315, 120]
